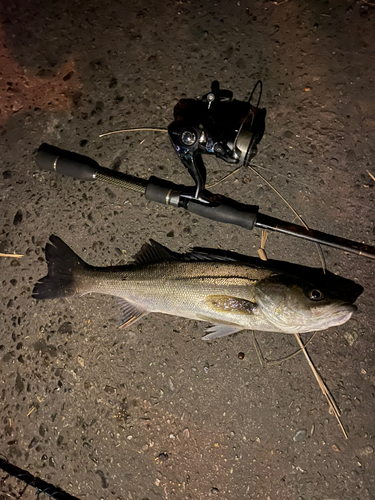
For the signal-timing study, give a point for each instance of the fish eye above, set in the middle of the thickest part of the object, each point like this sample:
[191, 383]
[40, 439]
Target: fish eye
[315, 294]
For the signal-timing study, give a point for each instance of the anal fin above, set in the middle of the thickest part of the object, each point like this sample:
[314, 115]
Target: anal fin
[130, 313]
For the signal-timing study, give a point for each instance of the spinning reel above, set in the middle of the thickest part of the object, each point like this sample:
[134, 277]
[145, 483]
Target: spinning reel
[216, 124]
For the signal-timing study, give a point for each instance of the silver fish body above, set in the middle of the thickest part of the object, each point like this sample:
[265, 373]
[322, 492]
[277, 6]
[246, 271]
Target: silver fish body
[229, 294]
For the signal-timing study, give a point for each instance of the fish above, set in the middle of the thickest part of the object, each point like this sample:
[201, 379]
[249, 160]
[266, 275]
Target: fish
[230, 295]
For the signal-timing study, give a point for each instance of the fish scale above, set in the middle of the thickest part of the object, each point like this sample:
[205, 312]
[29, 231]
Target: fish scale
[165, 288]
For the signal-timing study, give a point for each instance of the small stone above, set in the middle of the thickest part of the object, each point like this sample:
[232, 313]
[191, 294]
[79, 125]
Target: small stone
[171, 385]
[80, 360]
[367, 451]
[300, 435]
[162, 457]
[43, 429]
[288, 134]
[17, 218]
[93, 458]
[129, 437]
[351, 337]
[350, 155]
[113, 83]
[65, 328]
[103, 478]
[111, 195]
[214, 491]
[33, 442]
[335, 448]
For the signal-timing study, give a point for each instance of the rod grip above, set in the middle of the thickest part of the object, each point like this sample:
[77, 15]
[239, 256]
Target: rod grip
[225, 213]
[156, 191]
[66, 163]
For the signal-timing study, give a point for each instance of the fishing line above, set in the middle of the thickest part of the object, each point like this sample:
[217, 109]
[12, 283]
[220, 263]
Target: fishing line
[319, 248]
[134, 130]
[275, 362]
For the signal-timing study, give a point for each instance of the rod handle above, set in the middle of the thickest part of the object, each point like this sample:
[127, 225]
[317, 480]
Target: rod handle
[66, 163]
[225, 213]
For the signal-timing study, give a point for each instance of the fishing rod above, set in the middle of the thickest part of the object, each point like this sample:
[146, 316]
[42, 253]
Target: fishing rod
[215, 124]
[195, 199]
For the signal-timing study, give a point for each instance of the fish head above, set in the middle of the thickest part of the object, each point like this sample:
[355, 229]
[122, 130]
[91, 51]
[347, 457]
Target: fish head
[296, 306]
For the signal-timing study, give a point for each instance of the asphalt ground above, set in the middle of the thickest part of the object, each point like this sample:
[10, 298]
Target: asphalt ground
[153, 412]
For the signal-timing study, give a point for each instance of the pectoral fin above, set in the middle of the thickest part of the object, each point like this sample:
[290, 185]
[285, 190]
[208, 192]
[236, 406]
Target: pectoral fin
[228, 304]
[130, 313]
[217, 331]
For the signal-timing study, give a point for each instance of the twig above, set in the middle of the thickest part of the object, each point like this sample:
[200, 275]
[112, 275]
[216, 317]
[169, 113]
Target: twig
[134, 130]
[30, 412]
[322, 386]
[369, 173]
[261, 251]
[14, 255]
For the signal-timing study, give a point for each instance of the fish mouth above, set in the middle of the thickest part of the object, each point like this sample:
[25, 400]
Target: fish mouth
[333, 316]
[343, 314]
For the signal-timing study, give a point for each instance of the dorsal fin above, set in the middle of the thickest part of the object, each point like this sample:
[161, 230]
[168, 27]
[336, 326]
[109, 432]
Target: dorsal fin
[153, 253]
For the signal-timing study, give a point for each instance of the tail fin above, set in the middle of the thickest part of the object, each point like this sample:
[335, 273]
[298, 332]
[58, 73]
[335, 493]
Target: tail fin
[64, 266]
